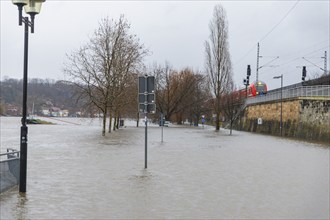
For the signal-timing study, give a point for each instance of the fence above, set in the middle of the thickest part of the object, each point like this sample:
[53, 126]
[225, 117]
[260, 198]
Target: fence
[9, 169]
[302, 91]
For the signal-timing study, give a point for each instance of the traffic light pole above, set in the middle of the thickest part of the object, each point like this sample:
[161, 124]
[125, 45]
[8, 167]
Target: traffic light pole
[247, 80]
[303, 75]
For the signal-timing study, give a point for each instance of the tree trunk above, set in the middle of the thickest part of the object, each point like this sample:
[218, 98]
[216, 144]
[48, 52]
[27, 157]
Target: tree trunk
[217, 121]
[114, 122]
[104, 121]
[110, 121]
[118, 120]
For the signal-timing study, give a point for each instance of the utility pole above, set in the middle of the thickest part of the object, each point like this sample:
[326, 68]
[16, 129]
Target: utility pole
[265, 65]
[257, 75]
[325, 62]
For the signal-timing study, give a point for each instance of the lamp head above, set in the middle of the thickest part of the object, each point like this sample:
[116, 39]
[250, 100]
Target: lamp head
[20, 3]
[33, 7]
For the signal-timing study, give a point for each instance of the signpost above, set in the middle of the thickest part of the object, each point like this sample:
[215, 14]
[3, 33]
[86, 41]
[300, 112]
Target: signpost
[203, 120]
[146, 105]
[161, 123]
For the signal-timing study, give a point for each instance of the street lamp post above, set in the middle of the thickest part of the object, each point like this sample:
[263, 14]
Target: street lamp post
[281, 122]
[31, 7]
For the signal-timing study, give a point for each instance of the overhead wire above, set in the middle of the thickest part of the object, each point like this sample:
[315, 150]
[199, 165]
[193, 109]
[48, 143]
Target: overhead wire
[268, 33]
[299, 57]
[286, 15]
[312, 46]
[291, 70]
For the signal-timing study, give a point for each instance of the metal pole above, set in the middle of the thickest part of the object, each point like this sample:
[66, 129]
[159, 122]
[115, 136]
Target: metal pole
[281, 123]
[257, 73]
[325, 62]
[146, 145]
[24, 129]
[246, 94]
[162, 124]
[146, 123]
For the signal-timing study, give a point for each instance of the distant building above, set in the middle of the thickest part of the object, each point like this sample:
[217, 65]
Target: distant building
[45, 112]
[65, 113]
[55, 112]
[12, 110]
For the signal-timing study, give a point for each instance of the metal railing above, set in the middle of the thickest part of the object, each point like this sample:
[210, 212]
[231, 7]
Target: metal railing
[9, 169]
[302, 91]
[11, 154]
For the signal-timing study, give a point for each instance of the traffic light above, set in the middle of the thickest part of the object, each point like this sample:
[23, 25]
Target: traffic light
[248, 74]
[303, 73]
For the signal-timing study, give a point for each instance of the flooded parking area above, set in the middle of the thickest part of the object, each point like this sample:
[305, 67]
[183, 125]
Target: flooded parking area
[196, 173]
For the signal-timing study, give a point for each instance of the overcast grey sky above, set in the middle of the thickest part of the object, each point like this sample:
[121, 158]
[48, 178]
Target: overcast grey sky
[175, 31]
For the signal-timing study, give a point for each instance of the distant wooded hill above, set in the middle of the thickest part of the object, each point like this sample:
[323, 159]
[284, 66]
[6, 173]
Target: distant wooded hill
[42, 94]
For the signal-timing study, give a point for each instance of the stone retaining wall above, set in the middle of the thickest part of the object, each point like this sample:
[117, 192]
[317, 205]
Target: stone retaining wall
[302, 118]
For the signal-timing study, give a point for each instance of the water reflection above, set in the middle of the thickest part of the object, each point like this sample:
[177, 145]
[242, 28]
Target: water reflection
[74, 173]
[22, 211]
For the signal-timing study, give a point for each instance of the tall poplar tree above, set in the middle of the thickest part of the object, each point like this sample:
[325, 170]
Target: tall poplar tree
[217, 60]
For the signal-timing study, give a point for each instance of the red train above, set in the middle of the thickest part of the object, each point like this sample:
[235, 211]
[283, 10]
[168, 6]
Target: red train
[254, 89]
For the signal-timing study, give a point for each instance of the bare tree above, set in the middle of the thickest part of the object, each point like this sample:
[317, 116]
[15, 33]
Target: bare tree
[199, 98]
[175, 91]
[231, 104]
[100, 67]
[218, 64]
[162, 81]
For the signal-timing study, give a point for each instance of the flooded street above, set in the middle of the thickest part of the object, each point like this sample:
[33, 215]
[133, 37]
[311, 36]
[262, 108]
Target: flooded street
[196, 173]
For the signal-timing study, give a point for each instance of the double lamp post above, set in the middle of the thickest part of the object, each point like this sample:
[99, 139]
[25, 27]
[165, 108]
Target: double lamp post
[32, 8]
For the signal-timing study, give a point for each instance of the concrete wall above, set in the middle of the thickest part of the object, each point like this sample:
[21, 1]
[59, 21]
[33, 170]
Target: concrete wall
[302, 118]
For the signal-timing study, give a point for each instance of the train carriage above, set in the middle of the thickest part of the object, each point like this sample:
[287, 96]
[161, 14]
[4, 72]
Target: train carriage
[257, 88]
[254, 89]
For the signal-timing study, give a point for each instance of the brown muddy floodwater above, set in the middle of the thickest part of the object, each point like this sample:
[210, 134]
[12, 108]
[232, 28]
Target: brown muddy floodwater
[196, 173]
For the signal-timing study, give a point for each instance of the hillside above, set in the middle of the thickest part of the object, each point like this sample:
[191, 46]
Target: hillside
[44, 97]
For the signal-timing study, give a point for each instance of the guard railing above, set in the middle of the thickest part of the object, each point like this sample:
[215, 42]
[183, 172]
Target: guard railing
[302, 91]
[11, 154]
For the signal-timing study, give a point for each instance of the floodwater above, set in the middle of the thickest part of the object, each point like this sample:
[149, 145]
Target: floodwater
[196, 173]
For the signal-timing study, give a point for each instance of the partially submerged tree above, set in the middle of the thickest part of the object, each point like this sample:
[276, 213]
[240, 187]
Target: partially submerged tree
[199, 99]
[101, 67]
[218, 64]
[231, 105]
[178, 92]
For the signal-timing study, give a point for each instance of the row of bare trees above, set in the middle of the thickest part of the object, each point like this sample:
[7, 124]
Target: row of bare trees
[106, 69]
[181, 94]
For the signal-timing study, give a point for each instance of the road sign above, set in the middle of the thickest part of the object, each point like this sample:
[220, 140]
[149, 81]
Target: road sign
[150, 88]
[151, 84]
[151, 108]
[151, 98]
[147, 94]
